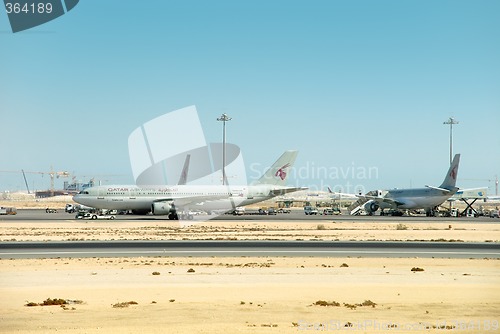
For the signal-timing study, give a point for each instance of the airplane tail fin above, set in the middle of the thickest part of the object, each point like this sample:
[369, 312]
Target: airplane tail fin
[451, 177]
[184, 172]
[279, 171]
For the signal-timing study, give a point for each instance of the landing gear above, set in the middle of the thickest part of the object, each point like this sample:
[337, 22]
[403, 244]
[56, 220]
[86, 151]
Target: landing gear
[173, 216]
[434, 212]
[183, 215]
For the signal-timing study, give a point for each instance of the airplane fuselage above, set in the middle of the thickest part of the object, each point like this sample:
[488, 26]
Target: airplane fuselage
[416, 198]
[129, 197]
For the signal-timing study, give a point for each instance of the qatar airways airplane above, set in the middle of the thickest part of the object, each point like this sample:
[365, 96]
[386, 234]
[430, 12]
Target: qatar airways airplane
[174, 200]
[427, 198]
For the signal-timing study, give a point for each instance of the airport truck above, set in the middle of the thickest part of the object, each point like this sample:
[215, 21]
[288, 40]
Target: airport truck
[310, 210]
[8, 211]
[94, 216]
[239, 211]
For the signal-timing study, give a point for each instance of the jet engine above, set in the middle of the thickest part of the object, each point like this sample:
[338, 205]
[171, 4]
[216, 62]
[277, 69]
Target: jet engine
[370, 207]
[162, 208]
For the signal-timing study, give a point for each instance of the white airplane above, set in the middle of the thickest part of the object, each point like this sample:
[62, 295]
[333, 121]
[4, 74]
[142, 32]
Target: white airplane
[340, 196]
[416, 198]
[318, 196]
[172, 200]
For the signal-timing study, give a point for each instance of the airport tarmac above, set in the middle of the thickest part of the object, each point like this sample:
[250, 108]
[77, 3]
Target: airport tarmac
[38, 226]
[15, 250]
[39, 215]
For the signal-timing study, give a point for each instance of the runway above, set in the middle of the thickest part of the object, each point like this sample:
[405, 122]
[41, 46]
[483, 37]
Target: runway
[17, 250]
[40, 216]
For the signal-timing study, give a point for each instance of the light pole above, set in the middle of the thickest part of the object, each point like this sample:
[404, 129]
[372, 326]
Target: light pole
[451, 121]
[224, 118]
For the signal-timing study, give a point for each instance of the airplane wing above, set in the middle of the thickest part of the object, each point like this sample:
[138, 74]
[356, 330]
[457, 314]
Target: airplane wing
[381, 199]
[183, 201]
[339, 194]
[282, 191]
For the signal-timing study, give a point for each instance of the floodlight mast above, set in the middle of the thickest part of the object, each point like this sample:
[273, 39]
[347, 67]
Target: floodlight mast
[451, 121]
[224, 118]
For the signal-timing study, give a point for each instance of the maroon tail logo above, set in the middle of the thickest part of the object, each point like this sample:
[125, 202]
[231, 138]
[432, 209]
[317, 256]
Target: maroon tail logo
[453, 173]
[281, 172]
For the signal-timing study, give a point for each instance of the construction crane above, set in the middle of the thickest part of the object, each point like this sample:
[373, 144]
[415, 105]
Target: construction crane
[25, 181]
[53, 175]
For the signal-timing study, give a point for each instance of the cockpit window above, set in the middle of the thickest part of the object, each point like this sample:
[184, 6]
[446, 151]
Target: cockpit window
[84, 192]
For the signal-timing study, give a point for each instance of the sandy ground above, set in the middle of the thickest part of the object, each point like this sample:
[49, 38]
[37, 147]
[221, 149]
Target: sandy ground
[249, 295]
[72, 230]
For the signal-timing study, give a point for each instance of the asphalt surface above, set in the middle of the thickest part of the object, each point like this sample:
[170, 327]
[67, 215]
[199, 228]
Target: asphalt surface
[40, 216]
[247, 248]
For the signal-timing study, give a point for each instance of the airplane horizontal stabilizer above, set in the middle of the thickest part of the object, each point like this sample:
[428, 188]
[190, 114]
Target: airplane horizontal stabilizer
[437, 188]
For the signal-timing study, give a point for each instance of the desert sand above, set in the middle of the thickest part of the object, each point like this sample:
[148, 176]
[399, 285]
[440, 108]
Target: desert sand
[249, 295]
[88, 230]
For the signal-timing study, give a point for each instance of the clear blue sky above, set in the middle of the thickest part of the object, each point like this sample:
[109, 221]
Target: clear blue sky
[347, 83]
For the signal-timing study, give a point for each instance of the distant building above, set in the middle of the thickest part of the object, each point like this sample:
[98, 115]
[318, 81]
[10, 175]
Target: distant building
[77, 186]
[69, 189]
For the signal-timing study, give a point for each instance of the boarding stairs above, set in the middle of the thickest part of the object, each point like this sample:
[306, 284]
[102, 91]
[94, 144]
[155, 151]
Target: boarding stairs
[357, 207]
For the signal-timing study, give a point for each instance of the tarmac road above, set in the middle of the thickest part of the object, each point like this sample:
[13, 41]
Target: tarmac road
[247, 248]
[39, 215]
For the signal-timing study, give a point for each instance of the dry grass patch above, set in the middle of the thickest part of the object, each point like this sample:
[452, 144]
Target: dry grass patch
[351, 306]
[325, 303]
[54, 302]
[124, 304]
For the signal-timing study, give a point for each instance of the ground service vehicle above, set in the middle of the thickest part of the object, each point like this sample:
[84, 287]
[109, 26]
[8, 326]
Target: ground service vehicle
[331, 211]
[310, 210]
[93, 216]
[8, 211]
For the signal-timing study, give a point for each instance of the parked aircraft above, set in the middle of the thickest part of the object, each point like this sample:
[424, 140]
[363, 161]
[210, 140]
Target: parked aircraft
[318, 197]
[174, 200]
[427, 198]
[340, 196]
